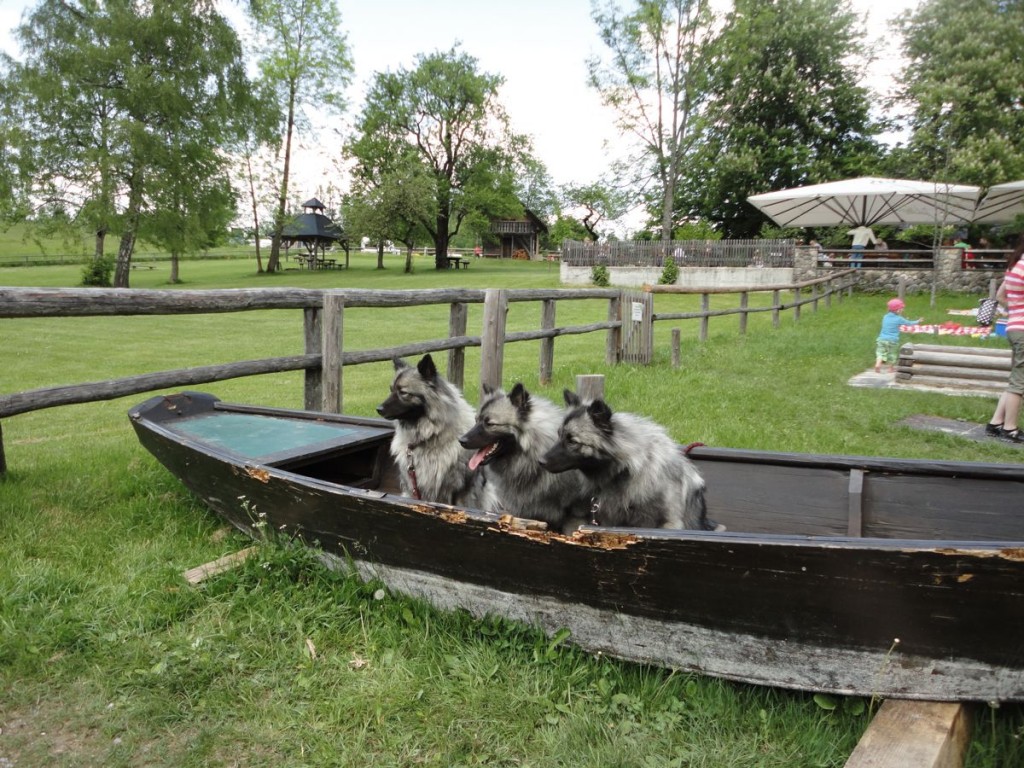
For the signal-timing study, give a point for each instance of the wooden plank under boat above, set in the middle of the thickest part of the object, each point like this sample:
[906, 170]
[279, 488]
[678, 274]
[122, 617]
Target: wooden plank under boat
[852, 575]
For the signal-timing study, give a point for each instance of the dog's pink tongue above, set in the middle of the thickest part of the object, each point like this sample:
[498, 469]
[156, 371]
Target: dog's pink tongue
[477, 458]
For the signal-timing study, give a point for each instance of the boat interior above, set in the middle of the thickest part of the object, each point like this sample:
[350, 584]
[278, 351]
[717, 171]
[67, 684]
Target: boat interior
[747, 491]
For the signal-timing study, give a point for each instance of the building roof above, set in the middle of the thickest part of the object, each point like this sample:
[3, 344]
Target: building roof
[309, 227]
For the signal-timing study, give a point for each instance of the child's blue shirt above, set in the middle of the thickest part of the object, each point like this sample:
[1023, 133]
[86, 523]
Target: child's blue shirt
[891, 326]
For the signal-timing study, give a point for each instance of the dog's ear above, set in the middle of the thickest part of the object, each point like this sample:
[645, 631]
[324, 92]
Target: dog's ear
[399, 363]
[488, 390]
[571, 398]
[427, 368]
[601, 415]
[519, 397]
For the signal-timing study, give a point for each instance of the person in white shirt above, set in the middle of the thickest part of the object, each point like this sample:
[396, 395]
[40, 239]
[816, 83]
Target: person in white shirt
[862, 238]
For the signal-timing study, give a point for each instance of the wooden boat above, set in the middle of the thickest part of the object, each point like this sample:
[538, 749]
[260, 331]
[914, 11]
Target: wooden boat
[851, 575]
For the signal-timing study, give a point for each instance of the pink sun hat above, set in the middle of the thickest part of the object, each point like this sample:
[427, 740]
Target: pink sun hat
[896, 305]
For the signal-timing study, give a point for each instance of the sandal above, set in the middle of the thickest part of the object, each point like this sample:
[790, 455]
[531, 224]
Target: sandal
[995, 430]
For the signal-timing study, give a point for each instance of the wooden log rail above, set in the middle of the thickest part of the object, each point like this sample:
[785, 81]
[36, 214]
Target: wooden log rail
[324, 357]
[821, 289]
[969, 369]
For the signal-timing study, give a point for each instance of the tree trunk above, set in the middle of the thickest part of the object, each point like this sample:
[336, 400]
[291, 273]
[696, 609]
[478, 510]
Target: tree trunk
[668, 202]
[274, 262]
[408, 260]
[174, 268]
[441, 243]
[255, 213]
[380, 254]
[101, 239]
[128, 234]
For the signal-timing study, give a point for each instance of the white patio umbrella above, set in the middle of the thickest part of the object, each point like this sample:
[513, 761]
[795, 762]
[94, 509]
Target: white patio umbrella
[1001, 204]
[867, 201]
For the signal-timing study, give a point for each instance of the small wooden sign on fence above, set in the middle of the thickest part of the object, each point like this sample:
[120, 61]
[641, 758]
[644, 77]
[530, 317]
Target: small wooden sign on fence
[637, 338]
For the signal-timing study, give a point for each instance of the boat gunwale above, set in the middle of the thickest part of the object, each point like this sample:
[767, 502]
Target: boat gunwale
[962, 547]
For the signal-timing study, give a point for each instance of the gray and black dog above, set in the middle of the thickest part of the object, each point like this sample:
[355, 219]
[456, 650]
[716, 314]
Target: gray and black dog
[430, 414]
[513, 431]
[638, 475]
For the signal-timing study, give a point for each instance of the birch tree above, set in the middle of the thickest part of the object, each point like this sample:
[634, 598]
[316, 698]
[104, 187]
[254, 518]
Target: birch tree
[304, 63]
[117, 97]
[652, 75]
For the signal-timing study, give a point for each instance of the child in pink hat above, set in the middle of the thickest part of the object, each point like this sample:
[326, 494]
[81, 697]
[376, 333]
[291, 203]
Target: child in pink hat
[887, 346]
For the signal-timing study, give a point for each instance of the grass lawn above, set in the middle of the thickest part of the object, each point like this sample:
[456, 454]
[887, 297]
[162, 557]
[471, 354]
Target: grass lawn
[107, 658]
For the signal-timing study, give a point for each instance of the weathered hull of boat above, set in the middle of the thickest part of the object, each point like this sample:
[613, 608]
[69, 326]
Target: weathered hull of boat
[902, 618]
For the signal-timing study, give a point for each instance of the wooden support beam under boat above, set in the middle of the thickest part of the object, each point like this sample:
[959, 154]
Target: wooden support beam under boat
[914, 734]
[201, 573]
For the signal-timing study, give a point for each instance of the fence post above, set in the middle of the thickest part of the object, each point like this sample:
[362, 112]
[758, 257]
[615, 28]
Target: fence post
[492, 339]
[330, 364]
[675, 348]
[775, 308]
[828, 293]
[796, 305]
[705, 307]
[547, 346]
[458, 316]
[313, 379]
[814, 298]
[614, 341]
[590, 386]
[744, 301]
[901, 286]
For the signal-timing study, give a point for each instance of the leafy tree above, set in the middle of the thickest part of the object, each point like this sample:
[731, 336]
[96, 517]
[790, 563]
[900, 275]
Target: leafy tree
[303, 60]
[535, 188]
[444, 113]
[566, 228]
[696, 230]
[392, 207]
[190, 218]
[119, 99]
[784, 109]
[254, 171]
[653, 77]
[962, 90]
[593, 204]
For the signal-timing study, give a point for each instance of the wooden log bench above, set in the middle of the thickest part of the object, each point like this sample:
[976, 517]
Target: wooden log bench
[984, 370]
[915, 734]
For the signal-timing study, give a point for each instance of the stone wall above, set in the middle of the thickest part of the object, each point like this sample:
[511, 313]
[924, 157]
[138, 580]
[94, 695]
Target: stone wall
[948, 275]
[692, 277]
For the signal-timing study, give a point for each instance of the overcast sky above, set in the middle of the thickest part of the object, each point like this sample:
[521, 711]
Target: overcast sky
[539, 46]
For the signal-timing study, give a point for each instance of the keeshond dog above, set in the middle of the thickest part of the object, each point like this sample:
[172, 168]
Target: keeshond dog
[430, 414]
[638, 475]
[513, 431]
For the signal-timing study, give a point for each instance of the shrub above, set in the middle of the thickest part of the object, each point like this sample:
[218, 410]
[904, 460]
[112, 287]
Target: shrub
[599, 276]
[96, 272]
[669, 272]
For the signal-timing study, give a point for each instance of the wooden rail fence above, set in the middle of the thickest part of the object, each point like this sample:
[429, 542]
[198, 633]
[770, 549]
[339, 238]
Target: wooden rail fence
[627, 328]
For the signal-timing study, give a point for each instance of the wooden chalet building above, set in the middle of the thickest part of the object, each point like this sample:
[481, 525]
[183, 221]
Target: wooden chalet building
[518, 238]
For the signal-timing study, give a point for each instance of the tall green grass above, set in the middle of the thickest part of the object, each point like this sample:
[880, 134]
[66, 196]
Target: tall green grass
[107, 658]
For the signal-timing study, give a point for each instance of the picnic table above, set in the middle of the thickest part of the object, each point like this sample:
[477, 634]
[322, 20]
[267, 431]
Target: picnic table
[316, 262]
[457, 262]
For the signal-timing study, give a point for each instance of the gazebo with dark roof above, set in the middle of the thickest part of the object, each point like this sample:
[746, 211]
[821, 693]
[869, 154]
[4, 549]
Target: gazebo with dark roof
[317, 232]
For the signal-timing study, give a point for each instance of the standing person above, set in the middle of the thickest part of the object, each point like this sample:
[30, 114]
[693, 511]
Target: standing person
[966, 255]
[887, 346]
[862, 236]
[1011, 295]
